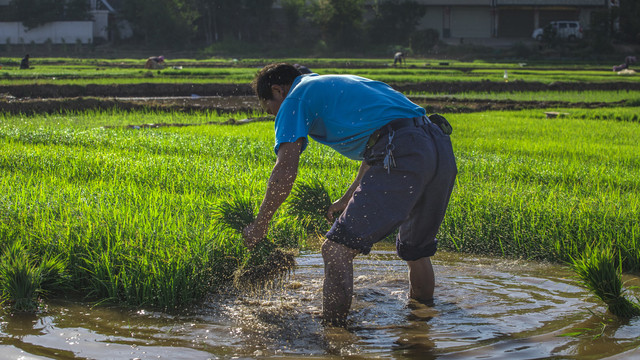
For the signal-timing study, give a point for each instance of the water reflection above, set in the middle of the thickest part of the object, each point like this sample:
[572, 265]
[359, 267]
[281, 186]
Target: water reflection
[485, 308]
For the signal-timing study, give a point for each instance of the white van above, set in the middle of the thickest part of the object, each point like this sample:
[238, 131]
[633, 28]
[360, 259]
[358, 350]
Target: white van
[570, 30]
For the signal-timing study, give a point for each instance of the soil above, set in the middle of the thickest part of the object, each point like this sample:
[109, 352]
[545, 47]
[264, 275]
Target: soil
[232, 98]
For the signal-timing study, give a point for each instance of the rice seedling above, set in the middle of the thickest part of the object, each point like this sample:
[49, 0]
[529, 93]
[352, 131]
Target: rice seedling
[629, 97]
[308, 203]
[20, 279]
[23, 280]
[130, 210]
[599, 271]
[266, 262]
[234, 213]
[130, 71]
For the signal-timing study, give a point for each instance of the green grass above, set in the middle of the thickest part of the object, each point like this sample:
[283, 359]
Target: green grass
[599, 270]
[543, 188]
[632, 97]
[130, 71]
[130, 213]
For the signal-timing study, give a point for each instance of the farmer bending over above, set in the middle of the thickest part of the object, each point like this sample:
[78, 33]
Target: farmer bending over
[398, 58]
[405, 178]
[154, 62]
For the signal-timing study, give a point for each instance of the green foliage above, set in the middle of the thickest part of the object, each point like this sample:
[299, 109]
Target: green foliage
[162, 22]
[599, 33]
[234, 212]
[130, 211]
[630, 20]
[599, 271]
[64, 71]
[23, 279]
[34, 13]
[340, 21]
[293, 10]
[308, 202]
[19, 278]
[521, 188]
[266, 261]
[395, 21]
[422, 41]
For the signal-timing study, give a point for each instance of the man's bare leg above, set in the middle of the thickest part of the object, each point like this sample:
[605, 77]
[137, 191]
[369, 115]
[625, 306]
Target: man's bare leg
[421, 280]
[338, 282]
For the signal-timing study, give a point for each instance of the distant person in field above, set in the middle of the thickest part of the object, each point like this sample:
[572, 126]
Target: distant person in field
[398, 58]
[627, 62]
[407, 172]
[155, 62]
[24, 64]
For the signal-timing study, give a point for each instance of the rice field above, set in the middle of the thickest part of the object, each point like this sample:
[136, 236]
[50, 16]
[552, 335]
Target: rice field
[630, 97]
[127, 216]
[225, 71]
[93, 208]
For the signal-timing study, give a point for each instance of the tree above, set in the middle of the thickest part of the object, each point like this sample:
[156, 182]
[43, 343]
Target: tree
[162, 22]
[77, 10]
[293, 12]
[34, 13]
[395, 21]
[241, 19]
[340, 21]
[630, 20]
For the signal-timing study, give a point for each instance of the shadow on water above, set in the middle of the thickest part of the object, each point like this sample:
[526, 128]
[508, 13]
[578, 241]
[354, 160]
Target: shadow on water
[485, 308]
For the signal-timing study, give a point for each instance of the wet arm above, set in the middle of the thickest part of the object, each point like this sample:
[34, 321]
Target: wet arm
[280, 183]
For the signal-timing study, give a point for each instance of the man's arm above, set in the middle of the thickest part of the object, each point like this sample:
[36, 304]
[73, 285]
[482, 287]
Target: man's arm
[338, 206]
[280, 183]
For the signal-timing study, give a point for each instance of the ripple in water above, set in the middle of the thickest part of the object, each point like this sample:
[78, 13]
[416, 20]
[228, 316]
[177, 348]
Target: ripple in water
[484, 308]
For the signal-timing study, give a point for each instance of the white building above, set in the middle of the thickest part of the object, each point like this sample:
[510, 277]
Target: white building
[503, 18]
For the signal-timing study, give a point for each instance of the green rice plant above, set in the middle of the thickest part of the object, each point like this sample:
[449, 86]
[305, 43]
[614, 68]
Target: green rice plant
[130, 211]
[20, 278]
[308, 203]
[23, 280]
[130, 71]
[599, 271]
[266, 261]
[234, 213]
[630, 98]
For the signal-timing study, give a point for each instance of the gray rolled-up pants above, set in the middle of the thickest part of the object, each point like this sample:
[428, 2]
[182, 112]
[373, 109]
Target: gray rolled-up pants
[411, 197]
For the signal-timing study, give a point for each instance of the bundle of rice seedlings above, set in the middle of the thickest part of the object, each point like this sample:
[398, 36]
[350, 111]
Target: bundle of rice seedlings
[310, 200]
[23, 279]
[598, 272]
[234, 214]
[266, 262]
[20, 279]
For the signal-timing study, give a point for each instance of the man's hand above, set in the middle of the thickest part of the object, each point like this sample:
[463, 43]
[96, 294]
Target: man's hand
[253, 234]
[341, 204]
[336, 208]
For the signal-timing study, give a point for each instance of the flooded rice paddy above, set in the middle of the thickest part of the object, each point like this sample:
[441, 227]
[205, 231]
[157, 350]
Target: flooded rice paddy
[485, 308]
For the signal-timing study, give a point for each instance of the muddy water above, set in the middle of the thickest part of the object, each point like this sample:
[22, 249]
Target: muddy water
[485, 308]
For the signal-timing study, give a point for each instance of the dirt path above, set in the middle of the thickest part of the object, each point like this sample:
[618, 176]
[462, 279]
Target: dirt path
[244, 104]
[155, 90]
[232, 98]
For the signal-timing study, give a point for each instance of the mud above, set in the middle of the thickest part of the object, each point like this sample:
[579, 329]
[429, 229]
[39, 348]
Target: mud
[232, 104]
[233, 98]
[244, 104]
[159, 90]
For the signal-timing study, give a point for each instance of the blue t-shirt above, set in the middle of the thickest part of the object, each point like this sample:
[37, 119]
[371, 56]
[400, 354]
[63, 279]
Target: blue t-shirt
[340, 111]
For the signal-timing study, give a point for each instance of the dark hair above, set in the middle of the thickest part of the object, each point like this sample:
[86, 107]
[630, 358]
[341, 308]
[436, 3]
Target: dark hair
[273, 74]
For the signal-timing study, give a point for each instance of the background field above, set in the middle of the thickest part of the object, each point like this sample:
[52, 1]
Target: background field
[94, 201]
[130, 211]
